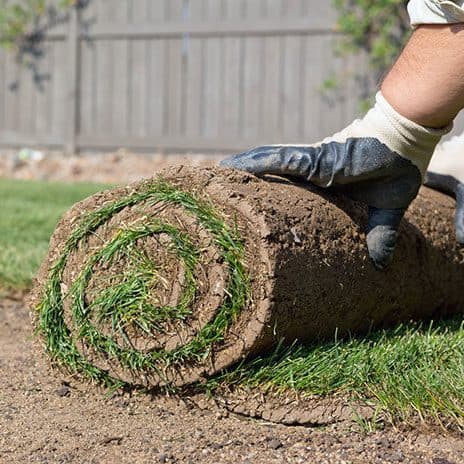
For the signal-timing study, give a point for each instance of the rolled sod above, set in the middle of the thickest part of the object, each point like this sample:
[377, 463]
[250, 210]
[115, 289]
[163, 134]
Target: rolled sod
[170, 280]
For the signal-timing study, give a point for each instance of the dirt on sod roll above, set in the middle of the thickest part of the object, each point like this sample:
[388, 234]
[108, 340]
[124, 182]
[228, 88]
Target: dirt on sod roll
[170, 280]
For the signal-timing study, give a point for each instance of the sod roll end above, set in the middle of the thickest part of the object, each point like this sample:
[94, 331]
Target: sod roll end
[169, 280]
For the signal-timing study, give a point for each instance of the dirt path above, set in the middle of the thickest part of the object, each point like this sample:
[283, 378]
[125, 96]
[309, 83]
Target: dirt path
[47, 418]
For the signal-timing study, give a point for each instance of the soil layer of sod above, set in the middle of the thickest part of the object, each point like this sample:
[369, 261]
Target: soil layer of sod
[171, 280]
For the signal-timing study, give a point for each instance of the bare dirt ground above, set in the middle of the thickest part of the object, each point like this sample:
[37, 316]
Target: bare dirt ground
[46, 417]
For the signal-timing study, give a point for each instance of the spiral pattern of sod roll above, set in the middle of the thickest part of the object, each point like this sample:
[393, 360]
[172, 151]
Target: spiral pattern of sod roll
[144, 288]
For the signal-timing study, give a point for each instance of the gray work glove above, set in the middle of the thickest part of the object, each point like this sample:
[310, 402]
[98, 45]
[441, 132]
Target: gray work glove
[446, 174]
[379, 160]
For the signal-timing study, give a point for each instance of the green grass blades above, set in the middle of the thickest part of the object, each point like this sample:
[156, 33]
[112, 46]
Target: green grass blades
[413, 371]
[126, 303]
[30, 211]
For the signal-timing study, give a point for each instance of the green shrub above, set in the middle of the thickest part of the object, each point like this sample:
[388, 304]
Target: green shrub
[379, 28]
[19, 19]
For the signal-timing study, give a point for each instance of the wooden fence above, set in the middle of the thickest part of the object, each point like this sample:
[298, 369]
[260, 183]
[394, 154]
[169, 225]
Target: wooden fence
[169, 75]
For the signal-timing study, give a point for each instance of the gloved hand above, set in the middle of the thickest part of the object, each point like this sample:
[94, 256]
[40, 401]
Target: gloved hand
[380, 160]
[446, 173]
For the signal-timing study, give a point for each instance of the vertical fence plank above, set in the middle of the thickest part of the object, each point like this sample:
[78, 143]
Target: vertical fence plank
[313, 110]
[11, 94]
[271, 89]
[291, 104]
[156, 68]
[104, 83]
[233, 64]
[172, 72]
[104, 69]
[120, 95]
[2, 87]
[71, 101]
[253, 74]
[232, 73]
[156, 11]
[234, 9]
[139, 71]
[273, 78]
[213, 74]
[174, 86]
[194, 85]
[293, 8]
[195, 81]
[87, 73]
[156, 88]
[61, 115]
[42, 123]
[175, 10]
[87, 88]
[26, 99]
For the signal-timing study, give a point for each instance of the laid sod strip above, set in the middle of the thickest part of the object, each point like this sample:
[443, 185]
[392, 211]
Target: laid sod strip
[60, 342]
[407, 372]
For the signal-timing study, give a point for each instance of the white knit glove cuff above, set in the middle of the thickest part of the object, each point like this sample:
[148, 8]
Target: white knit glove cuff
[407, 138]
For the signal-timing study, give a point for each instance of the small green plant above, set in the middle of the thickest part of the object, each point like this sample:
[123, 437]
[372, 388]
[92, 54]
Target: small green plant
[19, 19]
[376, 28]
[379, 28]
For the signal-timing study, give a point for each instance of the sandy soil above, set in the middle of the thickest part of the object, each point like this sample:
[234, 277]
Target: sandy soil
[46, 417]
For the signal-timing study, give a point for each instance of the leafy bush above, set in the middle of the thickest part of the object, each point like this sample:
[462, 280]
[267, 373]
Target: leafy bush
[19, 20]
[378, 27]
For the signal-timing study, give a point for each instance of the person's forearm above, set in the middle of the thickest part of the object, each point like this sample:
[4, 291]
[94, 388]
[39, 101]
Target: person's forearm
[426, 84]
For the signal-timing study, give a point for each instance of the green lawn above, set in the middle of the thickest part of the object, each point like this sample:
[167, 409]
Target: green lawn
[407, 373]
[30, 211]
